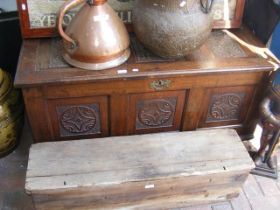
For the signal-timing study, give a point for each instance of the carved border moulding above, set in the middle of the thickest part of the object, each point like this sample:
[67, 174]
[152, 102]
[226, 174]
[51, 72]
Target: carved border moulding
[78, 120]
[155, 113]
[225, 107]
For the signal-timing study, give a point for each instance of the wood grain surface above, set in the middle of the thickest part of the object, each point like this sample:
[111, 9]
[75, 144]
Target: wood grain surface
[120, 170]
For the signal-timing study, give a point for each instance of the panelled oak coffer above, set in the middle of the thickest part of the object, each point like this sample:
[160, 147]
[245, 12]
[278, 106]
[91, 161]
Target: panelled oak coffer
[220, 85]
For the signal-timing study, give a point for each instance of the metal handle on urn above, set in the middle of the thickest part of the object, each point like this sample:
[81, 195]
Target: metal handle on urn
[206, 5]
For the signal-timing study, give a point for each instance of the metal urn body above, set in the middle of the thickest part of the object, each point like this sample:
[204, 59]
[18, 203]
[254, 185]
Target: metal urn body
[96, 38]
[11, 114]
[172, 28]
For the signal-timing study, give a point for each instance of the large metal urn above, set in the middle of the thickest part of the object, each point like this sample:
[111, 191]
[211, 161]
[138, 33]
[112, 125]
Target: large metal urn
[172, 28]
[96, 38]
[11, 114]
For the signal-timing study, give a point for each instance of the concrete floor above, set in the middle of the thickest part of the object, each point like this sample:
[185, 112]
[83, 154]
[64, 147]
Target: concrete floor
[258, 193]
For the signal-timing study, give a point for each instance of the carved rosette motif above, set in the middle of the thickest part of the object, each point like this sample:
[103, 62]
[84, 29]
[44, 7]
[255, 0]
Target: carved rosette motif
[155, 113]
[78, 120]
[225, 107]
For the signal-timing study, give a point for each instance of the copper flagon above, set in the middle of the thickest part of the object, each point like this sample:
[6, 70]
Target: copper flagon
[96, 38]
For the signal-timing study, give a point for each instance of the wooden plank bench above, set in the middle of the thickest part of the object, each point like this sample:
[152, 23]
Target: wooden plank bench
[154, 171]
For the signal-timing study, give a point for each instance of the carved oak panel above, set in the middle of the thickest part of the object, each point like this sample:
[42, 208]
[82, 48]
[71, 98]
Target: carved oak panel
[158, 111]
[225, 107]
[155, 113]
[78, 120]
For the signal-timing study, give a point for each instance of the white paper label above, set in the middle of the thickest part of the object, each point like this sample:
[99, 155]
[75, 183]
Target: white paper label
[122, 71]
[149, 186]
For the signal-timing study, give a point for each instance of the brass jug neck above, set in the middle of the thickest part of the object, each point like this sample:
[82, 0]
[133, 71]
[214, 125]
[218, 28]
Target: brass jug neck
[96, 2]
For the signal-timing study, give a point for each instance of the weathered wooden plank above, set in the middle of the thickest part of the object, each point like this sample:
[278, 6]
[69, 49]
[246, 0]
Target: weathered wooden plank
[109, 160]
[118, 177]
[154, 171]
[166, 194]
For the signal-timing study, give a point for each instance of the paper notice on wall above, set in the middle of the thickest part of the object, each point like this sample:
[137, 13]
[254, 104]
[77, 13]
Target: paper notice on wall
[43, 14]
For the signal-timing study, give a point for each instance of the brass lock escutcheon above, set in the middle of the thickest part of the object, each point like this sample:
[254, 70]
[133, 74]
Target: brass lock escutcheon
[160, 84]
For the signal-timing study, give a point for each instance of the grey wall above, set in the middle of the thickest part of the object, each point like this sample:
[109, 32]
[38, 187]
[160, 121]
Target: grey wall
[8, 5]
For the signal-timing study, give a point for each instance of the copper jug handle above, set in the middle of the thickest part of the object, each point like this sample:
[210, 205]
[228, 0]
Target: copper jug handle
[67, 6]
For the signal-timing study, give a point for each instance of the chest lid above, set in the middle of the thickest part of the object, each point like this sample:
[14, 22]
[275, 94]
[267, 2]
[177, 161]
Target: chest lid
[41, 61]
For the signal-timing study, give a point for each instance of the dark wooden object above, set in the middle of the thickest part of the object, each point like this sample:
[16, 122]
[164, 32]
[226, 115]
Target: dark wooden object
[154, 171]
[266, 164]
[219, 85]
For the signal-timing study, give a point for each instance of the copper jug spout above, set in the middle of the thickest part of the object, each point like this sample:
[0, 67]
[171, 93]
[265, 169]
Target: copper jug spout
[96, 38]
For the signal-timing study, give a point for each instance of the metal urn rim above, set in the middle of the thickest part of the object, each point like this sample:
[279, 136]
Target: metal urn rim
[99, 66]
